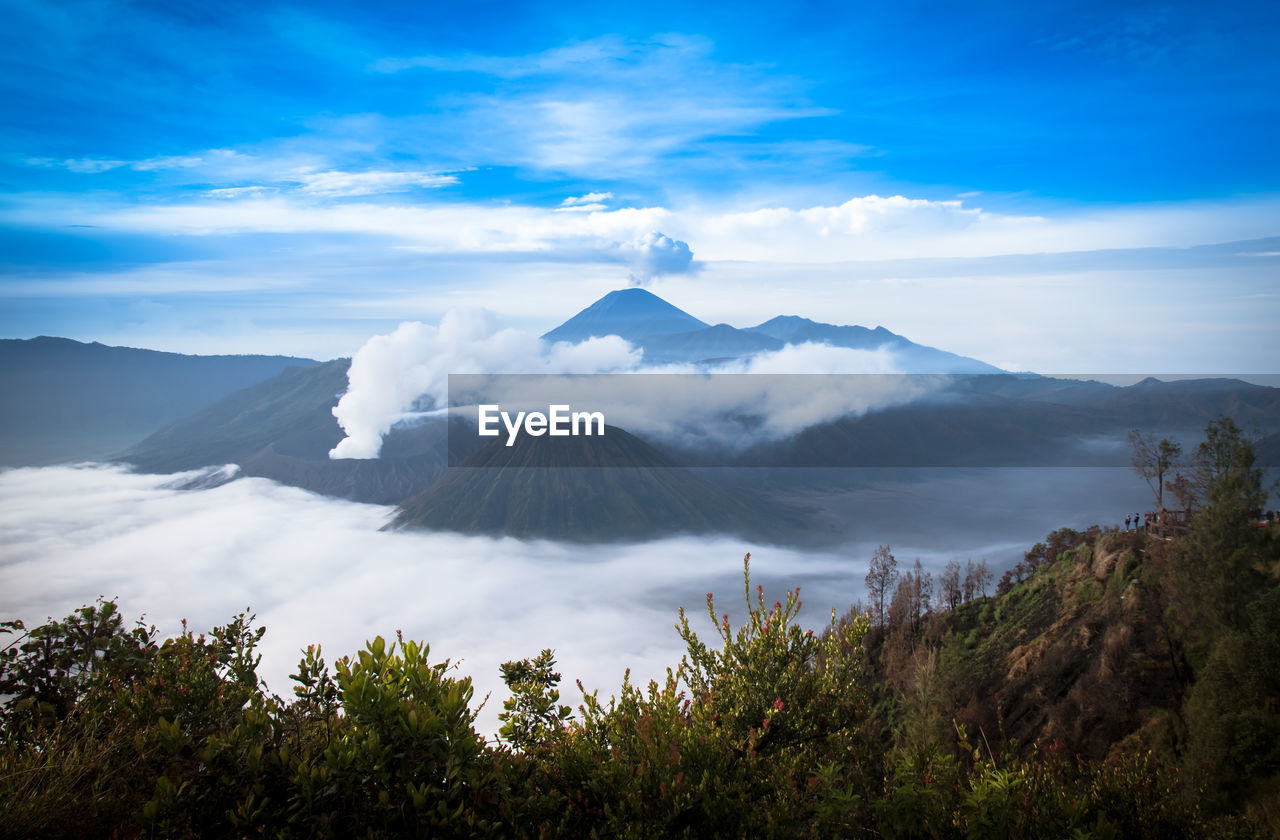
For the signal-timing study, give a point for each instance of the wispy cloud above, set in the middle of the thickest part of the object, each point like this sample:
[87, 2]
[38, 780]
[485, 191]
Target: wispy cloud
[92, 166]
[589, 203]
[611, 107]
[334, 183]
[304, 175]
[582, 56]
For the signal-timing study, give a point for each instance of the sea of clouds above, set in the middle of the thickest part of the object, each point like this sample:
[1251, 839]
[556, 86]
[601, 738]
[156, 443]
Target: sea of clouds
[318, 570]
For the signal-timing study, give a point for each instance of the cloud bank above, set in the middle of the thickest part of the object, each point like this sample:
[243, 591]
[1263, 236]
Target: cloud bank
[318, 570]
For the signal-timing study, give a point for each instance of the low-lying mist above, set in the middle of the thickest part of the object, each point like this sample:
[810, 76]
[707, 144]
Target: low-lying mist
[319, 570]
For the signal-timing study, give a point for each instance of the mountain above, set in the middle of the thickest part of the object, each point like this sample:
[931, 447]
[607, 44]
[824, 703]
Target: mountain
[65, 400]
[283, 429]
[671, 335]
[711, 343]
[1008, 420]
[534, 489]
[793, 329]
[911, 357]
[291, 412]
[633, 314]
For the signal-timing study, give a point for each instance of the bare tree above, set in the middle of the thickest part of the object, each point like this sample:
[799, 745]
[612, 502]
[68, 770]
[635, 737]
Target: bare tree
[880, 580]
[923, 592]
[950, 585]
[982, 576]
[970, 580]
[900, 608]
[1153, 460]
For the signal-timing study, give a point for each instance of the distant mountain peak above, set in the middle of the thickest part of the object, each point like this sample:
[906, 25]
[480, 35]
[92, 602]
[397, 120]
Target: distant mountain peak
[630, 313]
[668, 334]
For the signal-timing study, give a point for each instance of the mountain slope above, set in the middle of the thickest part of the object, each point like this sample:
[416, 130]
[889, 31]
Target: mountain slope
[292, 411]
[670, 335]
[632, 314]
[719, 342]
[1074, 649]
[534, 490]
[67, 400]
[912, 357]
[283, 429]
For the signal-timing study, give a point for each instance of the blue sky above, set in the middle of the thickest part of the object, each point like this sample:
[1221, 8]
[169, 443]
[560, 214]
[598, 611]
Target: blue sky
[1083, 188]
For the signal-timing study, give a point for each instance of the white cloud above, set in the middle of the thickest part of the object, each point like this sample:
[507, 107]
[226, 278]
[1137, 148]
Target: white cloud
[861, 229]
[335, 183]
[584, 56]
[654, 255]
[582, 208]
[318, 570]
[238, 192]
[610, 107]
[93, 166]
[408, 370]
[589, 203]
[306, 175]
[589, 198]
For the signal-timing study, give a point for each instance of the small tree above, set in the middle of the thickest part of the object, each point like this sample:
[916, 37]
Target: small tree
[533, 713]
[1153, 460]
[982, 577]
[922, 593]
[950, 584]
[880, 580]
[1224, 468]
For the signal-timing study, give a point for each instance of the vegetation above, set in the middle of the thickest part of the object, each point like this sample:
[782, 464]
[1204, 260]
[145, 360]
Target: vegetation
[1115, 685]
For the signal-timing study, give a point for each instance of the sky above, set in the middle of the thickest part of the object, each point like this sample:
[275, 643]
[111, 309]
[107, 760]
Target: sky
[1067, 188]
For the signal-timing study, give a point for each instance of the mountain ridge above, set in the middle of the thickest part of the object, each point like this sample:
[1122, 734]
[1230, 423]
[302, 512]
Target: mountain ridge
[70, 400]
[669, 335]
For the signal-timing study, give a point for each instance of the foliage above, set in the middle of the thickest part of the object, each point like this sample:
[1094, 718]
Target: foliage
[533, 714]
[761, 733]
[1153, 461]
[765, 729]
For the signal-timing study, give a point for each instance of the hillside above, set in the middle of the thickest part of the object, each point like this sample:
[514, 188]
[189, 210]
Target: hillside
[66, 400]
[291, 411]
[1078, 653]
[1110, 646]
[283, 429]
[588, 489]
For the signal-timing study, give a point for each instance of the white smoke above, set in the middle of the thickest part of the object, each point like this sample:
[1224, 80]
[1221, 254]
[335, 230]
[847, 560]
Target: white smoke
[408, 370]
[696, 409]
[654, 255]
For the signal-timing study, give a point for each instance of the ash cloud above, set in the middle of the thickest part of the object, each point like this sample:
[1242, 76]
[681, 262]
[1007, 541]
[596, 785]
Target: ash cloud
[655, 255]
